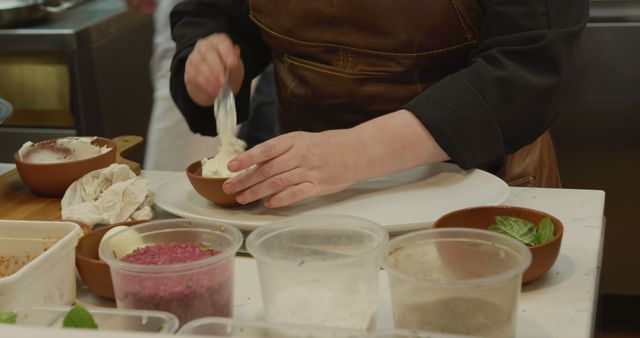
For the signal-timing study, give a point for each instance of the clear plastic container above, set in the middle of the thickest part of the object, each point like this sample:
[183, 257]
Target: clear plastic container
[191, 290]
[459, 281]
[226, 327]
[106, 319]
[37, 263]
[319, 269]
[398, 333]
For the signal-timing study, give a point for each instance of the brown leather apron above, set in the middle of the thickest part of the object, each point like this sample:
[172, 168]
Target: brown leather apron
[339, 63]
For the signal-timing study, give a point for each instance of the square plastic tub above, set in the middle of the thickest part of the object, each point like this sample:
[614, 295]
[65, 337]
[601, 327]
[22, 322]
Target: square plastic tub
[37, 263]
[215, 327]
[106, 319]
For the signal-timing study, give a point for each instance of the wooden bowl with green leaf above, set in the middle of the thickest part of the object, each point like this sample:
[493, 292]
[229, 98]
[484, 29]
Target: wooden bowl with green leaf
[541, 232]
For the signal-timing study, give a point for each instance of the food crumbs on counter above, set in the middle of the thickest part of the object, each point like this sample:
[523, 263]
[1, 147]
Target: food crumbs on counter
[8, 317]
[78, 317]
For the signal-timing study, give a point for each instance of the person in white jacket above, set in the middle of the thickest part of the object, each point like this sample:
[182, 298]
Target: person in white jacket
[170, 144]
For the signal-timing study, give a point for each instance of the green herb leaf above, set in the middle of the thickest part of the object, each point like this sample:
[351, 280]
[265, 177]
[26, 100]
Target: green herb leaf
[8, 317]
[79, 317]
[161, 327]
[546, 231]
[518, 228]
[206, 247]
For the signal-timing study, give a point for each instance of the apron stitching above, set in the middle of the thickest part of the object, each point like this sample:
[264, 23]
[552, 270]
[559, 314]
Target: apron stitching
[367, 51]
[340, 62]
[456, 5]
[475, 5]
[291, 85]
[415, 75]
[289, 61]
[349, 64]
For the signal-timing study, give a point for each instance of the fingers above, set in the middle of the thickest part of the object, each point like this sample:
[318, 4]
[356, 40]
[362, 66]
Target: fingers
[263, 152]
[261, 172]
[276, 185]
[290, 195]
[205, 67]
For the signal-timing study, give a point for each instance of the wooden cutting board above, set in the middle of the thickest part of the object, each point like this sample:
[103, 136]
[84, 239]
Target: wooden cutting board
[19, 203]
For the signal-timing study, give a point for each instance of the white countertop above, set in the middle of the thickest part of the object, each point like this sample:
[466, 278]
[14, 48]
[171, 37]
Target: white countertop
[4, 167]
[560, 304]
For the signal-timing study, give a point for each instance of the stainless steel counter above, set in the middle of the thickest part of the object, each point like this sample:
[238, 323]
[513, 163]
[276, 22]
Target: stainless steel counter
[84, 25]
[88, 65]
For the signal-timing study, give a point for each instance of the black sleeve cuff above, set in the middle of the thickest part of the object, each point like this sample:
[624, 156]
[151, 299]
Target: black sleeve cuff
[468, 139]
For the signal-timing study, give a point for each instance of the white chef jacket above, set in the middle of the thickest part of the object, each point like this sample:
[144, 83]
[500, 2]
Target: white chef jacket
[170, 145]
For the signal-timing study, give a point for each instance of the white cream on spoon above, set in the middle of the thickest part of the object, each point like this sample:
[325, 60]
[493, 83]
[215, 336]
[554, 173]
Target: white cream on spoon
[230, 145]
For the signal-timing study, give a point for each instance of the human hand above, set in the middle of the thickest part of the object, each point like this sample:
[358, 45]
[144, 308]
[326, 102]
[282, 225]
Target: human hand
[205, 68]
[294, 166]
[142, 6]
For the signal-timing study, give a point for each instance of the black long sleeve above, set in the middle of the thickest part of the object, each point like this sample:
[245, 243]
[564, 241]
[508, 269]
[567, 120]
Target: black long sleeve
[511, 90]
[514, 85]
[195, 19]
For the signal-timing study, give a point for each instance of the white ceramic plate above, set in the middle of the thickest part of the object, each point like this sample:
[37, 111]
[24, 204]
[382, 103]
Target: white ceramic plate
[404, 201]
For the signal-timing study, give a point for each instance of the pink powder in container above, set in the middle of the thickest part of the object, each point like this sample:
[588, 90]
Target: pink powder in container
[186, 269]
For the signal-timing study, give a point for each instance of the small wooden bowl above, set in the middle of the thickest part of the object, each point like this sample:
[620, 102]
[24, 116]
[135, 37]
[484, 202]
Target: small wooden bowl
[543, 256]
[95, 274]
[53, 179]
[210, 187]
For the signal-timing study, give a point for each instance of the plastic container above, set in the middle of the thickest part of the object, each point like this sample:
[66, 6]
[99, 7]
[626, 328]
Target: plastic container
[319, 269]
[398, 333]
[456, 280]
[227, 327]
[106, 319]
[191, 290]
[41, 258]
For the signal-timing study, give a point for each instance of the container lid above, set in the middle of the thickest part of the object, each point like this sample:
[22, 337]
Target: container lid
[110, 319]
[228, 327]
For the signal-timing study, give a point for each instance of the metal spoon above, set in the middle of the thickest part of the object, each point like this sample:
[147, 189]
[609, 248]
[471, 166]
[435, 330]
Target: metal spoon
[6, 110]
[224, 108]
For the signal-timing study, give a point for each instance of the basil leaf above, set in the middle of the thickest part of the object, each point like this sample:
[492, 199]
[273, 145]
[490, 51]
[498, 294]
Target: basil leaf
[517, 228]
[546, 230]
[79, 317]
[8, 317]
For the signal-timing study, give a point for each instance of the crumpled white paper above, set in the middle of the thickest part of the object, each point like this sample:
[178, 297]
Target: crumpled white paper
[109, 195]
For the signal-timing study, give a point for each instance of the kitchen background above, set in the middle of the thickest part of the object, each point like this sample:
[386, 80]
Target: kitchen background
[85, 71]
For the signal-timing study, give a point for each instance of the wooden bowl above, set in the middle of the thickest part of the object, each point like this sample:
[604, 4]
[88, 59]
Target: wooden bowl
[210, 187]
[543, 256]
[95, 274]
[53, 179]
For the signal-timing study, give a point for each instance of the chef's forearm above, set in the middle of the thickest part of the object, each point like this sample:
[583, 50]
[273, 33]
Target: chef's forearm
[391, 143]
[514, 85]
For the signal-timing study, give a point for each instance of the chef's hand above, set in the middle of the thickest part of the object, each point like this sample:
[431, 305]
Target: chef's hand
[292, 167]
[142, 6]
[205, 68]
[298, 165]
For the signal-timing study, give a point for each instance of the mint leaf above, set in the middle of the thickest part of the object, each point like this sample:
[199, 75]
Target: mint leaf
[8, 317]
[518, 228]
[79, 317]
[546, 231]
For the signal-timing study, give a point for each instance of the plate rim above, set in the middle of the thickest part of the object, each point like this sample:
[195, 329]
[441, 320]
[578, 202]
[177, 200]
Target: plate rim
[250, 225]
